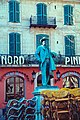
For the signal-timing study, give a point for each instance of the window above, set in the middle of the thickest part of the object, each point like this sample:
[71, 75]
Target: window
[14, 14]
[69, 45]
[41, 13]
[14, 44]
[68, 15]
[14, 88]
[38, 37]
[70, 82]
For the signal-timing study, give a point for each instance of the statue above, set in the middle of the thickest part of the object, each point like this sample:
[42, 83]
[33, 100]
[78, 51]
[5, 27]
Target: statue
[46, 62]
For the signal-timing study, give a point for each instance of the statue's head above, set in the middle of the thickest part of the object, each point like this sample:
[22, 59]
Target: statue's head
[43, 40]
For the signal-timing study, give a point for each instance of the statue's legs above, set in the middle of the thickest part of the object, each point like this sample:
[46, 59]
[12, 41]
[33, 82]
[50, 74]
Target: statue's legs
[43, 71]
[47, 70]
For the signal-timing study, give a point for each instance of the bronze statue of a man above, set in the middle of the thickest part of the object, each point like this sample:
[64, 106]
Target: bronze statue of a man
[44, 56]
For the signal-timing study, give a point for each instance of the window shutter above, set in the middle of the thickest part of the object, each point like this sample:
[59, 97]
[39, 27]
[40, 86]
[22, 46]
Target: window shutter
[68, 15]
[72, 46]
[17, 12]
[69, 45]
[65, 15]
[12, 44]
[71, 15]
[41, 13]
[18, 45]
[38, 37]
[11, 11]
[44, 14]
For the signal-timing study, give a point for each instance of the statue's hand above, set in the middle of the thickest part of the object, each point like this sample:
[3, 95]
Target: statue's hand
[39, 60]
[54, 54]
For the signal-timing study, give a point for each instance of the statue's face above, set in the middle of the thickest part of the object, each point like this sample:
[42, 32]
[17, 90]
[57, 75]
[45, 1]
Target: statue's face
[44, 43]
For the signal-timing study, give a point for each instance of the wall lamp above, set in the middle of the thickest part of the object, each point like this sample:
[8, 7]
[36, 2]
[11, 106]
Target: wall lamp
[58, 76]
[33, 76]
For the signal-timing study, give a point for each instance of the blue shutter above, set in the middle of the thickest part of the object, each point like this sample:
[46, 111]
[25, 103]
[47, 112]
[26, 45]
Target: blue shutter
[68, 15]
[38, 37]
[17, 12]
[69, 45]
[41, 13]
[44, 14]
[14, 13]
[11, 11]
[18, 45]
[72, 45]
[12, 44]
[71, 15]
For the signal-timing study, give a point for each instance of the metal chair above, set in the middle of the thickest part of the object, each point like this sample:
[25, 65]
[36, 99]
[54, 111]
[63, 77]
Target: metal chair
[30, 111]
[15, 108]
[48, 107]
[62, 105]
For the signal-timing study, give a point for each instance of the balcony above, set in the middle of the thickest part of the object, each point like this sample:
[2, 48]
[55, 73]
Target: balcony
[30, 60]
[49, 23]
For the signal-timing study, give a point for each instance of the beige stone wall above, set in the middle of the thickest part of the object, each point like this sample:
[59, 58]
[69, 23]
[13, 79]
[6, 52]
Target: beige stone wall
[28, 35]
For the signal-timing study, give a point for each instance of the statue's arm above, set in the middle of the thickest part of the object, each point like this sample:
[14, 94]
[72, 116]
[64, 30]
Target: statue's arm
[37, 54]
[54, 54]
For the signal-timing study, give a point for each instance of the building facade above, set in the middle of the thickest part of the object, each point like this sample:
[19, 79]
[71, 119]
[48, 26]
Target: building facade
[22, 24]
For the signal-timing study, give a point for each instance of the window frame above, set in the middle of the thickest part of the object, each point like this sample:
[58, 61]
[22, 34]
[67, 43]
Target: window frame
[69, 82]
[13, 92]
[69, 45]
[39, 36]
[14, 14]
[68, 15]
[41, 13]
[15, 42]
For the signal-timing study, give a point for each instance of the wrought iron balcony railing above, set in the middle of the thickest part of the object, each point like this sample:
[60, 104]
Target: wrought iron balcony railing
[30, 59]
[49, 22]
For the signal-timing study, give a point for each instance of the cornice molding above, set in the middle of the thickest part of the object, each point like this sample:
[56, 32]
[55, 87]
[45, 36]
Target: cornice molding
[53, 0]
[49, 1]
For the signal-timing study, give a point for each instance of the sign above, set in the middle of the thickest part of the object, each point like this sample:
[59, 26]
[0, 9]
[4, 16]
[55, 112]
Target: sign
[72, 60]
[11, 60]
